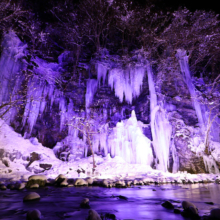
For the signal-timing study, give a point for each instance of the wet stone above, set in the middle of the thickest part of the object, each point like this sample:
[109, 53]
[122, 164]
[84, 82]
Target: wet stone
[168, 205]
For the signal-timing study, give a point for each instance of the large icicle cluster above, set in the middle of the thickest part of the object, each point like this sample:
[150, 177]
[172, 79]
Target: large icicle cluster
[125, 82]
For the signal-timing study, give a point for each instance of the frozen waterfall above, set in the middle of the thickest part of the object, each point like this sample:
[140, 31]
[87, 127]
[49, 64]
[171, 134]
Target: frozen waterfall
[160, 127]
[184, 66]
[128, 141]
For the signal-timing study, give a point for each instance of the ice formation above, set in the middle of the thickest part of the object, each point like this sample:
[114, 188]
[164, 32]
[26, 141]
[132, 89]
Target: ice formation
[210, 164]
[128, 141]
[184, 66]
[125, 82]
[91, 88]
[160, 127]
[10, 63]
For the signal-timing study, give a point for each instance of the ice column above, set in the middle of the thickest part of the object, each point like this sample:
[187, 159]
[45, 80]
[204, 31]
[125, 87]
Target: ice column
[91, 89]
[128, 141]
[184, 66]
[160, 127]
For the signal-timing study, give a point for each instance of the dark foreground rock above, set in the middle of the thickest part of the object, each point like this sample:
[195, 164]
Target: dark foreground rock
[33, 215]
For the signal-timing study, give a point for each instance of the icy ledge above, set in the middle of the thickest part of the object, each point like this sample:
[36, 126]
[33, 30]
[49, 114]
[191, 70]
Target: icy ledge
[15, 152]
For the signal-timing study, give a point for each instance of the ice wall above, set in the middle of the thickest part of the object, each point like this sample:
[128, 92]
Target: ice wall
[10, 79]
[184, 66]
[160, 127]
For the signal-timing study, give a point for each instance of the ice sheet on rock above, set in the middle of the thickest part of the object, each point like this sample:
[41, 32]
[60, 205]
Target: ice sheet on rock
[48, 71]
[184, 66]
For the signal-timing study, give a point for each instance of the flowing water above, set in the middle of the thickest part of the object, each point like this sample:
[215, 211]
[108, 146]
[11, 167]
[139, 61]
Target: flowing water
[142, 203]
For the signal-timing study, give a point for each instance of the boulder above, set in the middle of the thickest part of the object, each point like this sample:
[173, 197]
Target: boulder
[85, 203]
[34, 186]
[11, 186]
[64, 183]
[177, 211]
[45, 166]
[33, 215]
[31, 196]
[80, 182]
[89, 180]
[120, 184]
[135, 182]
[128, 183]
[36, 179]
[105, 183]
[186, 205]
[93, 215]
[20, 186]
[190, 210]
[215, 213]
[3, 187]
[60, 179]
[167, 205]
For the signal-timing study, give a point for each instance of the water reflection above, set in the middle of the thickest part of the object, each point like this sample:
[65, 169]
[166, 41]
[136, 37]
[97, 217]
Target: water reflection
[142, 203]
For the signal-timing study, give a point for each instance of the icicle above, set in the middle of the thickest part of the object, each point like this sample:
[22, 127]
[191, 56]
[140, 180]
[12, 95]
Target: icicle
[33, 103]
[126, 82]
[210, 164]
[175, 158]
[160, 127]
[62, 109]
[101, 72]
[184, 66]
[90, 91]
[43, 100]
[161, 133]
